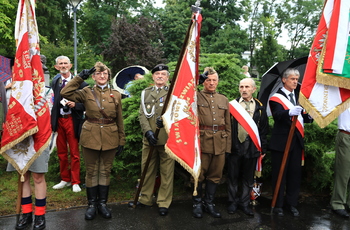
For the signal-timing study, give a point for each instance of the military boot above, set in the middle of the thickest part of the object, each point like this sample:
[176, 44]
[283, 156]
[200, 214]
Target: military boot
[102, 201]
[209, 206]
[197, 202]
[91, 193]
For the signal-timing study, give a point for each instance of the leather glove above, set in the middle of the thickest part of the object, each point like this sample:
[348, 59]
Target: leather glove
[203, 77]
[119, 150]
[152, 140]
[295, 111]
[85, 73]
[159, 122]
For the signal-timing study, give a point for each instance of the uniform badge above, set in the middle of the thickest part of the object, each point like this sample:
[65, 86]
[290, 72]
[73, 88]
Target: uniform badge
[148, 108]
[161, 99]
[161, 104]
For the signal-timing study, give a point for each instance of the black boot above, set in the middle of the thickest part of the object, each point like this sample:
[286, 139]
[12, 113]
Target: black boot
[91, 193]
[197, 202]
[39, 222]
[209, 206]
[102, 200]
[26, 219]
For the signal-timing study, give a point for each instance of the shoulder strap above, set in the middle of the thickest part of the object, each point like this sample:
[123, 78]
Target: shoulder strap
[99, 105]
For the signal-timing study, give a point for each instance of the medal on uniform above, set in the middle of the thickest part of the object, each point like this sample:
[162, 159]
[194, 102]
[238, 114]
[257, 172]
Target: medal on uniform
[161, 104]
[148, 108]
[161, 99]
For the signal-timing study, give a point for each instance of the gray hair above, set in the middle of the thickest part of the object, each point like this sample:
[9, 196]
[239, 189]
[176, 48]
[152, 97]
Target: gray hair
[62, 57]
[290, 71]
[252, 82]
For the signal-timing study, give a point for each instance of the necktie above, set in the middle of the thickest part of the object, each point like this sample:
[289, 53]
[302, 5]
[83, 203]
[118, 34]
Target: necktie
[291, 98]
[242, 134]
[64, 83]
[158, 90]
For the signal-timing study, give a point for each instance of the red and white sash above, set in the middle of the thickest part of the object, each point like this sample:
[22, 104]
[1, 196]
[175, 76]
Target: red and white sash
[246, 121]
[279, 98]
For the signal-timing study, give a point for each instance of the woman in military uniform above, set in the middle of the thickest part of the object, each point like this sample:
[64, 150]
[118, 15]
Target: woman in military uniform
[102, 135]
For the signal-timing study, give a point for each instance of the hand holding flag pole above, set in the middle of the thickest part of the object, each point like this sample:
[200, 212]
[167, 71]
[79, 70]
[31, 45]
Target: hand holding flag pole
[195, 9]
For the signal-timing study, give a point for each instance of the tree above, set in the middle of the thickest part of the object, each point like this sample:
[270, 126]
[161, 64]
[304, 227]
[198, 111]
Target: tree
[136, 43]
[7, 25]
[301, 19]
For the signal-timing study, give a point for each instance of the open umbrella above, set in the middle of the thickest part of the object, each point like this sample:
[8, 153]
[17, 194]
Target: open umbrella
[126, 75]
[271, 80]
[5, 68]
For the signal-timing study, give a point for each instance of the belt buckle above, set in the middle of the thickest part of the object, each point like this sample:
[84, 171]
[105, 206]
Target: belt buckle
[215, 128]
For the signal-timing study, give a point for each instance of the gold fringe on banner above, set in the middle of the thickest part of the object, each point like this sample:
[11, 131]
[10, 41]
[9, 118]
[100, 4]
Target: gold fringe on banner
[330, 79]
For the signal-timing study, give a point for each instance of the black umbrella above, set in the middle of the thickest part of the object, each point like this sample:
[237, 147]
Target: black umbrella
[271, 80]
[126, 75]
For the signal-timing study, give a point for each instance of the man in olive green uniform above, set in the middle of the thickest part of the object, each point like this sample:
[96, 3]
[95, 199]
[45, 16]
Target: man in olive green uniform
[215, 140]
[152, 102]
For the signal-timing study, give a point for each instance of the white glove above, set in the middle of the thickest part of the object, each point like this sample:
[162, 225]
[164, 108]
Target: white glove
[295, 111]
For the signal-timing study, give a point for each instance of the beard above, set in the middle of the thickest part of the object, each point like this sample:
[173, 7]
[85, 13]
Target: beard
[64, 71]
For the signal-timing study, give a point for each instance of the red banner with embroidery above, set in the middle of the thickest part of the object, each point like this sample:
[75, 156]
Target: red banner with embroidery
[323, 102]
[181, 118]
[27, 128]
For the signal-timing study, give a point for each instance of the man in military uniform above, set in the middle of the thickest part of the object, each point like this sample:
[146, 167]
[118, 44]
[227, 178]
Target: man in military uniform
[152, 102]
[215, 141]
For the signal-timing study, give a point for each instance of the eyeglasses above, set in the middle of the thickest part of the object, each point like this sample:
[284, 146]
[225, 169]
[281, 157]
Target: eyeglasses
[101, 73]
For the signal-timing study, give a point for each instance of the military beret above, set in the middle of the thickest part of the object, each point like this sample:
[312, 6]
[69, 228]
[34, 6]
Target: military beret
[160, 67]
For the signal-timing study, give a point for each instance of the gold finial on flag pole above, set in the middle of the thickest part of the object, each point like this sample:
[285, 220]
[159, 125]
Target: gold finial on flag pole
[195, 8]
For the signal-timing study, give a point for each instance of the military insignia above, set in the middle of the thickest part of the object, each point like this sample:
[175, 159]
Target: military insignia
[148, 108]
[161, 104]
[161, 99]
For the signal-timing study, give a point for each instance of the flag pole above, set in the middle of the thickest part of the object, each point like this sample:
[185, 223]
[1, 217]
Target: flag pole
[19, 198]
[166, 102]
[284, 160]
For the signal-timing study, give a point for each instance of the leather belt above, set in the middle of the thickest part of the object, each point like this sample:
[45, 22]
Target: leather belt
[213, 127]
[101, 120]
[343, 131]
[65, 116]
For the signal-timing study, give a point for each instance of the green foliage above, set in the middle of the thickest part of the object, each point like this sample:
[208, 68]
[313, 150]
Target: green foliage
[7, 27]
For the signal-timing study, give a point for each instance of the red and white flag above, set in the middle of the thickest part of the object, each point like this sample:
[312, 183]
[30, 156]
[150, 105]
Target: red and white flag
[323, 102]
[336, 66]
[181, 118]
[27, 129]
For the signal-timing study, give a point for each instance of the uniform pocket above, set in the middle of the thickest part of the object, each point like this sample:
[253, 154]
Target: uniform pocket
[222, 110]
[203, 109]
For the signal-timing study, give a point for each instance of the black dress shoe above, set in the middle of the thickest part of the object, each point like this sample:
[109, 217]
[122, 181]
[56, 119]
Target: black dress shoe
[39, 222]
[163, 211]
[232, 208]
[294, 211]
[246, 210]
[138, 204]
[341, 212]
[26, 219]
[278, 212]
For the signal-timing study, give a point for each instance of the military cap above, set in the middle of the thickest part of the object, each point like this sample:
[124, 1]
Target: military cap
[160, 67]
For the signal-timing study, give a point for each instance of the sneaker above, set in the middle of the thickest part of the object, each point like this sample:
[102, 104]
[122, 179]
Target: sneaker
[76, 188]
[61, 185]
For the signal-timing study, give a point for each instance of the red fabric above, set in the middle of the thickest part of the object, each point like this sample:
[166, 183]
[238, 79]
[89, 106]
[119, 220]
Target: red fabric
[40, 210]
[180, 118]
[69, 168]
[27, 208]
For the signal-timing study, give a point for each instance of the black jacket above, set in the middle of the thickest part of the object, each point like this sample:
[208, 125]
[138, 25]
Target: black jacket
[282, 124]
[77, 111]
[261, 119]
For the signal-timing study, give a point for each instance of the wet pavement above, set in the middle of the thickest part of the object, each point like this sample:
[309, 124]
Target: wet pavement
[315, 214]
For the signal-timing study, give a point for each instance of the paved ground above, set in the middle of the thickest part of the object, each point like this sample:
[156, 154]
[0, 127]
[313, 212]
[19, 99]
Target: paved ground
[315, 214]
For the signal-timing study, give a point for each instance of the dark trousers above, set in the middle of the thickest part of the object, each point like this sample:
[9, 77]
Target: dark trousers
[240, 177]
[291, 180]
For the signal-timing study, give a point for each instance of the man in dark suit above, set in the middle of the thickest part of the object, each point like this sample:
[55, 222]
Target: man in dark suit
[66, 119]
[283, 108]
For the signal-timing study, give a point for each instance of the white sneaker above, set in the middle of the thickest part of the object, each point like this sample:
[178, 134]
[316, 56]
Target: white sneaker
[61, 185]
[76, 188]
